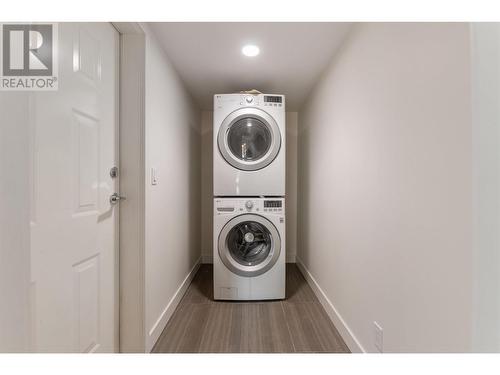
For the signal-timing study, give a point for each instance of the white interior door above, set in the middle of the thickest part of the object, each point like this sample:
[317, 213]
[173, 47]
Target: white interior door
[74, 226]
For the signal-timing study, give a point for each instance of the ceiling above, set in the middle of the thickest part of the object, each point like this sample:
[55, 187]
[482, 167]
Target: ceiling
[208, 57]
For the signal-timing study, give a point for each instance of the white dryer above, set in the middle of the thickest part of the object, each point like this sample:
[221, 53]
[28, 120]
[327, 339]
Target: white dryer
[249, 145]
[249, 248]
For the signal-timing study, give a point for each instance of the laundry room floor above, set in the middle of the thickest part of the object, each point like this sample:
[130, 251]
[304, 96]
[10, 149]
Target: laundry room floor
[297, 324]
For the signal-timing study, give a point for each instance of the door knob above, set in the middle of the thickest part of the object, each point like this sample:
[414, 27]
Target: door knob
[116, 198]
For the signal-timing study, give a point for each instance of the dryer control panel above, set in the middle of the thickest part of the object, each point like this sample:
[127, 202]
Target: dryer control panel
[250, 100]
[262, 100]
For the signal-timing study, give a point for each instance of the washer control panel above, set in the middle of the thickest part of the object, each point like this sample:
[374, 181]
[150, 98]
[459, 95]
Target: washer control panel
[273, 205]
[245, 205]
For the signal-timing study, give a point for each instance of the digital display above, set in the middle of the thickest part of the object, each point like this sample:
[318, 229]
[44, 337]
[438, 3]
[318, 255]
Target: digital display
[274, 204]
[272, 99]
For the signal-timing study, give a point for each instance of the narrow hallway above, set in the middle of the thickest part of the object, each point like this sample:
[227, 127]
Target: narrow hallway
[297, 324]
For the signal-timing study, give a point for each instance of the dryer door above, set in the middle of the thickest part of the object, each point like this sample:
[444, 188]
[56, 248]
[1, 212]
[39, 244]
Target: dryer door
[249, 139]
[249, 245]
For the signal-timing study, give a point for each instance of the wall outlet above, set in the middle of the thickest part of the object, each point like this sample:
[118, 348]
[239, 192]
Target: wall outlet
[378, 337]
[154, 176]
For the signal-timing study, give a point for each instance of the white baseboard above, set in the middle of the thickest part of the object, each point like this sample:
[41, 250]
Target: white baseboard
[207, 259]
[346, 333]
[165, 316]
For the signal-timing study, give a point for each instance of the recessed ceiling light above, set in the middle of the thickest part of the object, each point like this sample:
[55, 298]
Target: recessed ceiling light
[250, 50]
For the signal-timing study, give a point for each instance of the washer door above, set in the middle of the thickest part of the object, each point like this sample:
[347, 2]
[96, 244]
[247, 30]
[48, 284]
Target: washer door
[249, 245]
[249, 139]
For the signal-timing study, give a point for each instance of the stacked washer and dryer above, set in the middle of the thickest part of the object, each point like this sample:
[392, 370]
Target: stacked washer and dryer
[249, 197]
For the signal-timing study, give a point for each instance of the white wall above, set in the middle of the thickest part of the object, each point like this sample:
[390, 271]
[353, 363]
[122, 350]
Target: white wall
[486, 145]
[207, 186]
[15, 197]
[172, 231]
[385, 225]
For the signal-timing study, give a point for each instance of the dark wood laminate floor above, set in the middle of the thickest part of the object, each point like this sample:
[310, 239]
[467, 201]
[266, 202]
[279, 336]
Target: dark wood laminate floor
[297, 324]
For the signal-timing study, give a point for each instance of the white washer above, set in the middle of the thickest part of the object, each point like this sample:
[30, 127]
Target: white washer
[249, 248]
[249, 145]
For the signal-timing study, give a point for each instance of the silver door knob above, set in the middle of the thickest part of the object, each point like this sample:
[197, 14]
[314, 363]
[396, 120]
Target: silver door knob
[116, 198]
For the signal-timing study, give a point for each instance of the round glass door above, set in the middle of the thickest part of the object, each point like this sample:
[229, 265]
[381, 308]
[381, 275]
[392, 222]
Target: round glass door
[249, 245]
[249, 139]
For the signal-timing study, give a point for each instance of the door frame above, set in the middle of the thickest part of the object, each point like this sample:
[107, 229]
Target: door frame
[130, 322]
